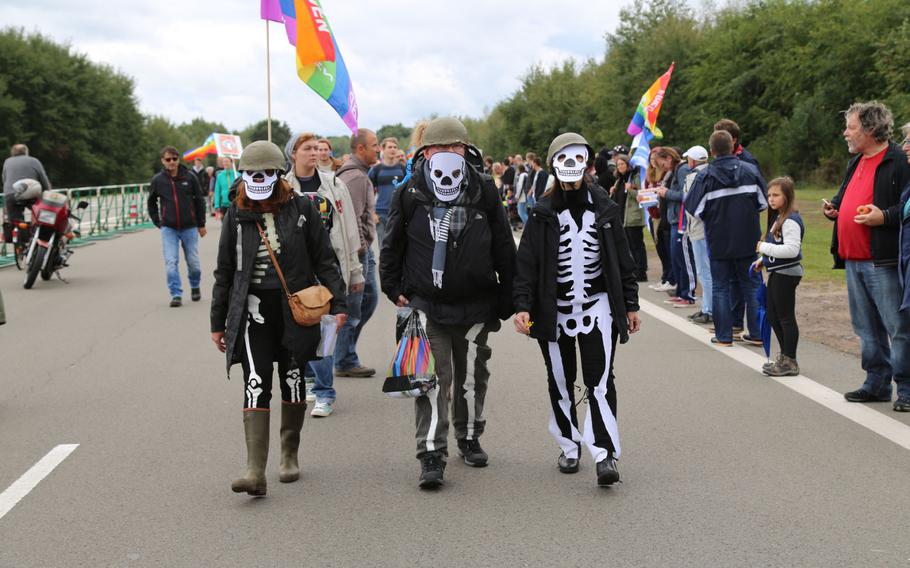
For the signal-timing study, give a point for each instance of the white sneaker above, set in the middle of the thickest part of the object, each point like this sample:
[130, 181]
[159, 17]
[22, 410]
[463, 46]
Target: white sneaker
[310, 395]
[655, 286]
[322, 409]
[665, 286]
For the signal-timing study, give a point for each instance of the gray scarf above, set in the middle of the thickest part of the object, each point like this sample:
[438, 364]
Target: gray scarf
[446, 219]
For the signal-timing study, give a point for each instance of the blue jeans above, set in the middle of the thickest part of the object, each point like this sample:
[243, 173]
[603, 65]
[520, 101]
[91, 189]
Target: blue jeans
[523, 212]
[171, 240]
[703, 270]
[321, 371]
[380, 226]
[360, 309]
[727, 274]
[884, 332]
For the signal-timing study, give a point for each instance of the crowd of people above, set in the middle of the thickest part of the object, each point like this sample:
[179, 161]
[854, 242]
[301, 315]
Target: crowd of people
[297, 236]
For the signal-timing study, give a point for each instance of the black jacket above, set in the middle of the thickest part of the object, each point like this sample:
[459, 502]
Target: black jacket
[534, 289]
[477, 286]
[306, 258]
[176, 202]
[891, 176]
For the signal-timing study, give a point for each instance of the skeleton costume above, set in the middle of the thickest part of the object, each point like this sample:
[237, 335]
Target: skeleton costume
[250, 310]
[575, 277]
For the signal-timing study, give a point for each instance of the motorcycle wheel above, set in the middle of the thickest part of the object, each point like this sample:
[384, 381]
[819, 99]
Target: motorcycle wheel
[34, 267]
[49, 269]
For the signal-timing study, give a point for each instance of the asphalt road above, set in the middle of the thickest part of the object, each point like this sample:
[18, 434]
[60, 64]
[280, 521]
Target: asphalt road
[721, 466]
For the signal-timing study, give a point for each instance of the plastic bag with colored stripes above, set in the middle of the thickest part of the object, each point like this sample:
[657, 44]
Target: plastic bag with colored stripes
[412, 372]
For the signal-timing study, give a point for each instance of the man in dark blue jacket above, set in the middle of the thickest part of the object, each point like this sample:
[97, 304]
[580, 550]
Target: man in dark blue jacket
[176, 205]
[728, 196]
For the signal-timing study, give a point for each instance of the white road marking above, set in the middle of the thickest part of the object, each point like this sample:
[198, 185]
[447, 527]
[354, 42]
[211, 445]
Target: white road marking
[31, 478]
[884, 426]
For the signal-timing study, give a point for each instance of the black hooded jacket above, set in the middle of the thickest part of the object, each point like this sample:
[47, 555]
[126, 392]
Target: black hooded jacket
[480, 262]
[534, 289]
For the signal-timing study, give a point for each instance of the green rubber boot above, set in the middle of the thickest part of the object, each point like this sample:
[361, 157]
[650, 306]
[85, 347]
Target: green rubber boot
[256, 429]
[292, 416]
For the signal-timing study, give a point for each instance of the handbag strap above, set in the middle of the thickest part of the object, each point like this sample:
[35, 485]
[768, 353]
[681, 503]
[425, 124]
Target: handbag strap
[265, 241]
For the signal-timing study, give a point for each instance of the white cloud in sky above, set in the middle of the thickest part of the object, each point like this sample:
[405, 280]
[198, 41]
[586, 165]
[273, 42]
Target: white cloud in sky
[406, 59]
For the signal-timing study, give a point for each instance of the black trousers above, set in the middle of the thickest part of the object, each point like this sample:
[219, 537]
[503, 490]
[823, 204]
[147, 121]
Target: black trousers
[781, 310]
[663, 251]
[14, 212]
[261, 348]
[636, 238]
[600, 434]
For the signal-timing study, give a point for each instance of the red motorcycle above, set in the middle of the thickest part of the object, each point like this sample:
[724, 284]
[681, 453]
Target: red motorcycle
[52, 229]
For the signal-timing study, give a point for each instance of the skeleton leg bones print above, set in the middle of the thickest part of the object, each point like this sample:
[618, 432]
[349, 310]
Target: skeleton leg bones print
[585, 319]
[261, 348]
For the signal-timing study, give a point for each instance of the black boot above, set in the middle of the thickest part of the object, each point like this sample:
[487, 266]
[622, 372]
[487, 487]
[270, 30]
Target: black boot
[607, 474]
[432, 468]
[472, 453]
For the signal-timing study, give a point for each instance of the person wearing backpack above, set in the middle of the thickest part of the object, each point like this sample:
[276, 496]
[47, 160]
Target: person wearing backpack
[448, 253]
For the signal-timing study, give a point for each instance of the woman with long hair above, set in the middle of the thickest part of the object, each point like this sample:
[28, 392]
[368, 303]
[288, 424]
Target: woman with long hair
[625, 194]
[251, 321]
[781, 255]
[327, 161]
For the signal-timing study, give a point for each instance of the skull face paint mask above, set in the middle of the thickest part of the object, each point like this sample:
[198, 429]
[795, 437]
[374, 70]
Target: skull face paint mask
[447, 171]
[260, 184]
[570, 163]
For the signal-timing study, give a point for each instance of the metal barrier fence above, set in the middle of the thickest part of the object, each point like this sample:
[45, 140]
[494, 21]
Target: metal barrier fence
[112, 210]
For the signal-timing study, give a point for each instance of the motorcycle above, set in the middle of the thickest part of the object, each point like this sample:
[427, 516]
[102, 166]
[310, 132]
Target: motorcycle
[25, 192]
[53, 227]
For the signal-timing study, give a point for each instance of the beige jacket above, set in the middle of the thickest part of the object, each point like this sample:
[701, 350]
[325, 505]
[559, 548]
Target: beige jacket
[345, 234]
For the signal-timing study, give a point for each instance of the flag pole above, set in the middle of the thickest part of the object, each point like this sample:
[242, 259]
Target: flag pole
[268, 76]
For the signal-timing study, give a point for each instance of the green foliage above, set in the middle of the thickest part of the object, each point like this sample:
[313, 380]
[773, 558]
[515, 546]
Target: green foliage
[281, 132]
[783, 69]
[79, 118]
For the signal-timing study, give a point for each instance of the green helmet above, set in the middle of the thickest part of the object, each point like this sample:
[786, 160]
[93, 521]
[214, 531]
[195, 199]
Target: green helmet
[566, 139]
[445, 131]
[261, 155]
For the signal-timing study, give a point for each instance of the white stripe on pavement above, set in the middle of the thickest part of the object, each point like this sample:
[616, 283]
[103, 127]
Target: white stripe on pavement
[31, 478]
[884, 426]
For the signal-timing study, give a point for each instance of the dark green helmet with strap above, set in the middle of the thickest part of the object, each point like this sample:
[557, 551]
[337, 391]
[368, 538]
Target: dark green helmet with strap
[445, 131]
[566, 139]
[261, 155]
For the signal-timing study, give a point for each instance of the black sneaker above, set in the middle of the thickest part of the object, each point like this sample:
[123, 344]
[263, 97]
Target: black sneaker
[703, 318]
[567, 465]
[902, 405]
[607, 474]
[861, 395]
[431, 469]
[176, 302]
[472, 453]
[195, 294]
[695, 315]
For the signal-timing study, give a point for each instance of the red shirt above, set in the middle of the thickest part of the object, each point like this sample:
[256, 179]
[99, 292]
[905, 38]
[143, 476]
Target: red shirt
[854, 241]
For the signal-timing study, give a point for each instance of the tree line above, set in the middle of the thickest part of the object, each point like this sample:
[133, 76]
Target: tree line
[783, 69]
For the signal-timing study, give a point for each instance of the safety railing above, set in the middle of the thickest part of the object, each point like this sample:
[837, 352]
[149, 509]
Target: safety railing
[112, 210]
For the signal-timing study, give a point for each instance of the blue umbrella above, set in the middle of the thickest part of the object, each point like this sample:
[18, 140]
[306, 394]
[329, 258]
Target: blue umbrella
[762, 300]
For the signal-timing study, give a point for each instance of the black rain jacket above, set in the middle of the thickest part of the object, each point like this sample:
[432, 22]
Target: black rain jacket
[480, 263]
[176, 202]
[306, 258]
[534, 289]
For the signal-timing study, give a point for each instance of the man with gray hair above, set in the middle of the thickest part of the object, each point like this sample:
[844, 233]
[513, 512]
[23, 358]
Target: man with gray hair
[867, 216]
[19, 166]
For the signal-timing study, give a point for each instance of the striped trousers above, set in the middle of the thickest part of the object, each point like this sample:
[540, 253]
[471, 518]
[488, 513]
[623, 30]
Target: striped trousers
[461, 354]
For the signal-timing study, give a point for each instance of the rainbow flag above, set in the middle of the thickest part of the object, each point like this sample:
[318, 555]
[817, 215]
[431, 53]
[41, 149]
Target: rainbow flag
[319, 61]
[208, 147]
[649, 107]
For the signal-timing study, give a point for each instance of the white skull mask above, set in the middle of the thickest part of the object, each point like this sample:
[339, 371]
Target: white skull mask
[570, 163]
[447, 171]
[260, 184]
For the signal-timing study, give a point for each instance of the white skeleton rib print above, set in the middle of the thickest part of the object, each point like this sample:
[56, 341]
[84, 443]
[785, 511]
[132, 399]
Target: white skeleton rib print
[578, 265]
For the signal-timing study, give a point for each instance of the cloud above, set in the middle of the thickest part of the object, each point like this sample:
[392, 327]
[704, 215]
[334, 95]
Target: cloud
[407, 59]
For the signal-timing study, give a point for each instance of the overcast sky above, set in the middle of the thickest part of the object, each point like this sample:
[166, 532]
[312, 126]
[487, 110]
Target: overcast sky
[407, 59]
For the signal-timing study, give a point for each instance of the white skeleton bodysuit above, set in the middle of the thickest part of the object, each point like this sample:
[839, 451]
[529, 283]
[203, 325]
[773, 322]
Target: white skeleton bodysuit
[582, 316]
